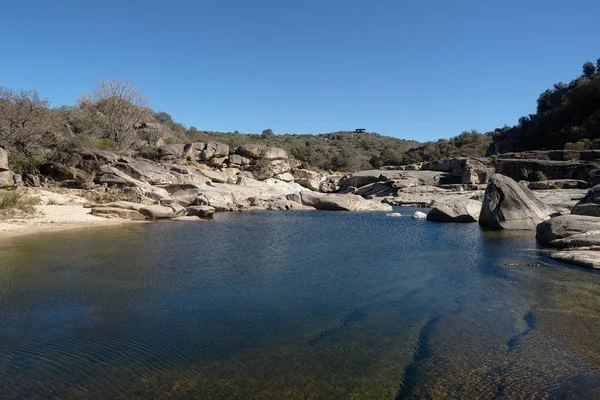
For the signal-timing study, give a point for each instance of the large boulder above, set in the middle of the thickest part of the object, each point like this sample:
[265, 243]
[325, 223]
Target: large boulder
[3, 160]
[341, 202]
[569, 231]
[361, 178]
[116, 212]
[200, 211]
[9, 178]
[455, 211]
[594, 177]
[257, 151]
[590, 205]
[265, 169]
[510, 205]
[171, 151]
[157, 212]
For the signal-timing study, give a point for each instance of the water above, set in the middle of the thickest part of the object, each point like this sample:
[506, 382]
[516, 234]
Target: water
[297, 305]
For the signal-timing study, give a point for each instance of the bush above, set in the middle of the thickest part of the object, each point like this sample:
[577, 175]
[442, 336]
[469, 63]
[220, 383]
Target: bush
[540, 176]
[14, 202]
[22, 164]
[101, 144]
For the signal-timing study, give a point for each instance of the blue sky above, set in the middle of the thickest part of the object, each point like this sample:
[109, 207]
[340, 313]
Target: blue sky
[419, 70]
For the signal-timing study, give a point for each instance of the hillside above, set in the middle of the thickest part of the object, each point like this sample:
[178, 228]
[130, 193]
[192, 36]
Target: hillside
[567, 117]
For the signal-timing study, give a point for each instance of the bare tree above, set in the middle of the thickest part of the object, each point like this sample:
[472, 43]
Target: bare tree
[115, 107]
[24, 120]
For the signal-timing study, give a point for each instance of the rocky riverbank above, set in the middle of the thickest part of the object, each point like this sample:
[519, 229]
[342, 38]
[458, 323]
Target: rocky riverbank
[198, 179]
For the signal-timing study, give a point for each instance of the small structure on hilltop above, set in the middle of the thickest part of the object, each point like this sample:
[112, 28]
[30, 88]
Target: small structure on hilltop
[360, 130]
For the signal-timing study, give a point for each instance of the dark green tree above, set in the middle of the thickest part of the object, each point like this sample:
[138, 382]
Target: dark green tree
[267, 133]
[589, 70]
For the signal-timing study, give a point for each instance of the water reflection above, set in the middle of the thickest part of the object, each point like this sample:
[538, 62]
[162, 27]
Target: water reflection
[293, 305]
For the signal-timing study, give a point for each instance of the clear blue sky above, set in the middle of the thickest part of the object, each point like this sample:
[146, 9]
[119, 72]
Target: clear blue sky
[412, 69]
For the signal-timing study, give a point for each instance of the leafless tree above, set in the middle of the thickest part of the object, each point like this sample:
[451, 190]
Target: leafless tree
[24, 120]
[115, 107]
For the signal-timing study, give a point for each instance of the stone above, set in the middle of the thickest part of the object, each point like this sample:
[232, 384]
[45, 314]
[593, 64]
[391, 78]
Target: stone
[171, 151]
[157, 212]
[125, 205]
[257, 151]
[583, 258]
[286, 177]
[419, 215]
[146, 171]
[558, 184]
[7, 179]
[569, 230]
[341, 202]
[4, 160]
[214, 150]
[590, 204]
[269, 169]
[178, 210]
[200, 211]
[515, 168]
[594, 177]
[393, 215]
[455, 211]
[114, 212]
[510, 205]
[361, 178]
[238, 160]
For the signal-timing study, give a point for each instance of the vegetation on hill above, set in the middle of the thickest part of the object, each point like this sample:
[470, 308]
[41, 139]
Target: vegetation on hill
[567, 117]
[116, 116]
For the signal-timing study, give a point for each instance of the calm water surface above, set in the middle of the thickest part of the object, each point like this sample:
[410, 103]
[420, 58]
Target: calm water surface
[276, 305]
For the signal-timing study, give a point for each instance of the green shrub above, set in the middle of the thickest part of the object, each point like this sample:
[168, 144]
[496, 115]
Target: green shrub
[540, 176]
[14, 202]
[22, 164]
[101, 144]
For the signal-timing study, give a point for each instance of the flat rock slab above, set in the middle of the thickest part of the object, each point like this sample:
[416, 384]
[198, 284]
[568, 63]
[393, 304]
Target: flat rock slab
[455, 211]
[157, 212]
[583, 258]
[113, 212]
[560, 231]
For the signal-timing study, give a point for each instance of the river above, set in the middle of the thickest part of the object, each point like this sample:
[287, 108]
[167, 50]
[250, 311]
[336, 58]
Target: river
[294, 305]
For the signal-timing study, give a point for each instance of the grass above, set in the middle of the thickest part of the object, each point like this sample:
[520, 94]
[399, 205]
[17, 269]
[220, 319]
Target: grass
[16, 202]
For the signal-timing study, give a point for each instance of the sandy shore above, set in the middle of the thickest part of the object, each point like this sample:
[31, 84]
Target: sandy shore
[57, 212]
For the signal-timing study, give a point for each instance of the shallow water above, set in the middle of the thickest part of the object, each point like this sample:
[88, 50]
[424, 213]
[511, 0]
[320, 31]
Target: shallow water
[298, 305]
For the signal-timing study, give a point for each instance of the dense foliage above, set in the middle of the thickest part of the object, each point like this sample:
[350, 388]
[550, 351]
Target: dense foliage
[567, 116]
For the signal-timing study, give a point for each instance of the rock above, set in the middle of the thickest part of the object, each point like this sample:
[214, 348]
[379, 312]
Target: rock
[93, 160]
[125, 205]
[157, 212]
[341, 202]
[172, 151]
[558, 184]
[455, 211]
[393, 215]
[146, 171]
[114, 212]
[7, 179]
[569, 230]
[214, 150]
[361, 178]
[3, 160]
[515, 168]
[594, 177]
[257, 151]
[239, 161]
[200, 211]
[419, 215]
[268, 169]
[317, 182]
[286, 177]
[470, 171]
[583, 258]
[509, 205]
[590, 205]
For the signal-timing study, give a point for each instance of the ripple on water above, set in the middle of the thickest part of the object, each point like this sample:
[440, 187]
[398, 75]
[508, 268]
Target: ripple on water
[292, 305]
